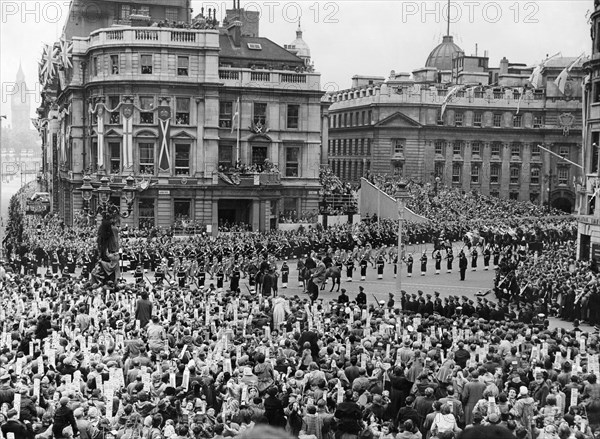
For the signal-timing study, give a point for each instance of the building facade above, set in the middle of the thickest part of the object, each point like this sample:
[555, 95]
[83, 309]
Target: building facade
[216, 124]
[486, 139]
[588, 239]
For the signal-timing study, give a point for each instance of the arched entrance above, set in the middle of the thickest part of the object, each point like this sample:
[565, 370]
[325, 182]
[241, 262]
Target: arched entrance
[563, 200]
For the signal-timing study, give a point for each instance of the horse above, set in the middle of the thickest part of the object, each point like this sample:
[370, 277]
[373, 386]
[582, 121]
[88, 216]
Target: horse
[335, 273]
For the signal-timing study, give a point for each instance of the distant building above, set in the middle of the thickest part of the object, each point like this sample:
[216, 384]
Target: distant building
[588, 239]
[20, 104]
[160, 103]
[486, 140]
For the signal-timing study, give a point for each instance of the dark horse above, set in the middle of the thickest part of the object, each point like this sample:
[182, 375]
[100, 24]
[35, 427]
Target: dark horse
[335, 273]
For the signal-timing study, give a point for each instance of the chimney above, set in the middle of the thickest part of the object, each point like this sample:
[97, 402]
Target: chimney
[235, 33]
[503, 66]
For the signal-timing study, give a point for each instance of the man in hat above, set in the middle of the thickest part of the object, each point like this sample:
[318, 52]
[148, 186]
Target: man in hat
[361, 297]
[424, 263]
[428, 308]
[285, 273]
[391, 302]
[463, 263]
[343, 297]
[14, 426]
[63, 417]
[409, 265]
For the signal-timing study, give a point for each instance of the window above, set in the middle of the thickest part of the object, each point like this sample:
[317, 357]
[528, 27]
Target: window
[563, 151]
[563, 175]
[439, 170]
[293, 113]
[363, 118]
[439, 147]
[370, 117]
[171, 14]
[115, 116]
[475, 173]
[513, 196]
[146, 63]
[182, 209]
[535, 151]
[495, 194]
[225, 114]
[143, 10]
[146, 157]
[94, 161]
[535, 175]
[345, 119]
[476, 148]
[114, 64]
[517, 121]
[456, 173]
[225, 156]
[496, 149]
[494, 173]
[146, 213]
[515, 150]
[515, 173]
[398, 145]
[292, 161]
[182, 111]
[457, 148]
[95, 66]
[124, 12]
[538, 121]
[182, 159]
[183, 65]
[146, 105]
[497, 120]
[477, 119]
[260, 113]
[259, 155]
[368, 146]
[458, 119]
[534, 197]
[115, 157]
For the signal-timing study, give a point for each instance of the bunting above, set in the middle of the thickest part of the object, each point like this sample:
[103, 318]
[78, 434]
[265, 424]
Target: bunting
[521, 93]
[127, 113]
[100, 132]
[536, 75]
[561, 79]
[451, 93]
[236, 115]
[48, 64]
[164, 123]
[66, 53]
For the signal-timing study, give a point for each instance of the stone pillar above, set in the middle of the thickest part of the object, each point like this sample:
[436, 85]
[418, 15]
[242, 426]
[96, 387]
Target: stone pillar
[215, 218]
[466, 171]
[505, 171]
[255, 215]
[485, 168]
[525, 177]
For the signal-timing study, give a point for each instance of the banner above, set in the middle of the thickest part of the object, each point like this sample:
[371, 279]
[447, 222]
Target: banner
[127, 113]
[164, 122]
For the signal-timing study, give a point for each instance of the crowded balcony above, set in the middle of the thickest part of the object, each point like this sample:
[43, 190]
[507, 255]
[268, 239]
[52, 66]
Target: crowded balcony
[263, 78]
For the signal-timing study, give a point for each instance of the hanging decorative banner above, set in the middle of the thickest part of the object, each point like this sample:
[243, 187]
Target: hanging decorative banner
[164, 123]
[127, 113]
[66, 54]
[100, 132]
[48, 64]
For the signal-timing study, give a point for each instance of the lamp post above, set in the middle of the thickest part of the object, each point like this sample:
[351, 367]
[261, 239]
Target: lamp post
[105, 207]
[401, 196]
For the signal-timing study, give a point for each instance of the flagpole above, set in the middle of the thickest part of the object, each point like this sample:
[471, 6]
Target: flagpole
[237, 140]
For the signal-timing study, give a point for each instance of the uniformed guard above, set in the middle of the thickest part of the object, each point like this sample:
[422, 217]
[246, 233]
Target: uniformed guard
[220, 276]
[409, 265]
[449, 259]
[487, 253]
[380, 265]
[424, 263]
[395, 262]
[349, 269]
[364, 263]
[285, 273]
[234, 281]
[496, 253]
[474, 256]
[201, 273]
[139, 275]
[437, 256]
[181, 276]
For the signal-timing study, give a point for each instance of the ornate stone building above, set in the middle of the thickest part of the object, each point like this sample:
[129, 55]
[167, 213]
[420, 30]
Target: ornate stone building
[215, 123]
[487, 137]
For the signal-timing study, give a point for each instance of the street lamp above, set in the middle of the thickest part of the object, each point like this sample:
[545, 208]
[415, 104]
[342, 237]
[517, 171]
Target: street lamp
[401, 197]
[105, 207]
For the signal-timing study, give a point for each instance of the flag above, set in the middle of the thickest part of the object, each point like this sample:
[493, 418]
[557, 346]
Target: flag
[536, 76]
[561, 79]
[521, 93]
[236, 115]
[449, 97]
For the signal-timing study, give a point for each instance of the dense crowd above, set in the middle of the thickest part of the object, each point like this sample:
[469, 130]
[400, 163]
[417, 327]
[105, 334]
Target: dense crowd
[453, 204]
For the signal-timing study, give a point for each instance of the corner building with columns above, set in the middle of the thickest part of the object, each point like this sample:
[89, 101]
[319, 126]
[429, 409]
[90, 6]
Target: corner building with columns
[485, 140]
[215, 123]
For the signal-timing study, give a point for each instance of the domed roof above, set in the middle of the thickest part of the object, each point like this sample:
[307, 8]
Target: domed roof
[441, 56]
[302, 49]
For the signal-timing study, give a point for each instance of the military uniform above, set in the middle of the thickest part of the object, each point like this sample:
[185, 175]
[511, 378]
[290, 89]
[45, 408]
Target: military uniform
[437, 256]
[449, 260]
[363, 268]
[409, 265]
[349, 269]
[380, 265]
[423, 263]
[285, 273]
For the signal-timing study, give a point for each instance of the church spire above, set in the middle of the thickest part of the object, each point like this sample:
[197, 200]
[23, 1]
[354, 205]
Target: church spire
[448, 23]
[20, 74]
[299, 30]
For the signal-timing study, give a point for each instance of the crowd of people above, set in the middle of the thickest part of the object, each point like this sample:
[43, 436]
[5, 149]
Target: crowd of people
[209, 355]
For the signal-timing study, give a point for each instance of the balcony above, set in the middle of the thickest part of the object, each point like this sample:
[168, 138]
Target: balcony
[277, 79]
[148, 36]
[236, 179]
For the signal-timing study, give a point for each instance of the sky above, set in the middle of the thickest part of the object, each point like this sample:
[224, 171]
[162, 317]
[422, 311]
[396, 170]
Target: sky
[346, 37]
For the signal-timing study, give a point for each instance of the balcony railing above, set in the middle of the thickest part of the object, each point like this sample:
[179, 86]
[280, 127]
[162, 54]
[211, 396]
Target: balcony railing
[260, 76]
[276, 78]
[229, 74]
[145, 35]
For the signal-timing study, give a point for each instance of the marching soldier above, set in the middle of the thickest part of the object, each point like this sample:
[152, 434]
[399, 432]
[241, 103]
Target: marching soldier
[364, 263]
[139, 275]
[409, 265]
[234, 281]
[474, 256]
[424, 263]
[437, 256]
[463, 263]
[487, 253]
[201, 273]
[380, 265]
[285, 272]
[181, 276]
[449, 259]
[220, 276]
[349, 269]
[496, 253]
[159, 274]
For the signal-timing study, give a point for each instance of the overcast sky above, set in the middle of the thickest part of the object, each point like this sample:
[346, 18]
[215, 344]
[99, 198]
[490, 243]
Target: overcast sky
[348, 37]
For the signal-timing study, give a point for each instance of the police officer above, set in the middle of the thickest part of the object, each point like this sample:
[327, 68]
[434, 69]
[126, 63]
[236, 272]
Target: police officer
[487, 253]
[361, 297]
[449, 259]
[474, 256]
[234, 282]
[409, 265]
[463, 263]
[363, 267]
[380, 265]
[349, 269]
[423, 262]
[437, 256]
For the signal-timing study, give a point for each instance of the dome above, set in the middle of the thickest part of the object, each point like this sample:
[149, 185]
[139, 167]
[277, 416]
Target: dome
[441, 56]
[300, 46]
